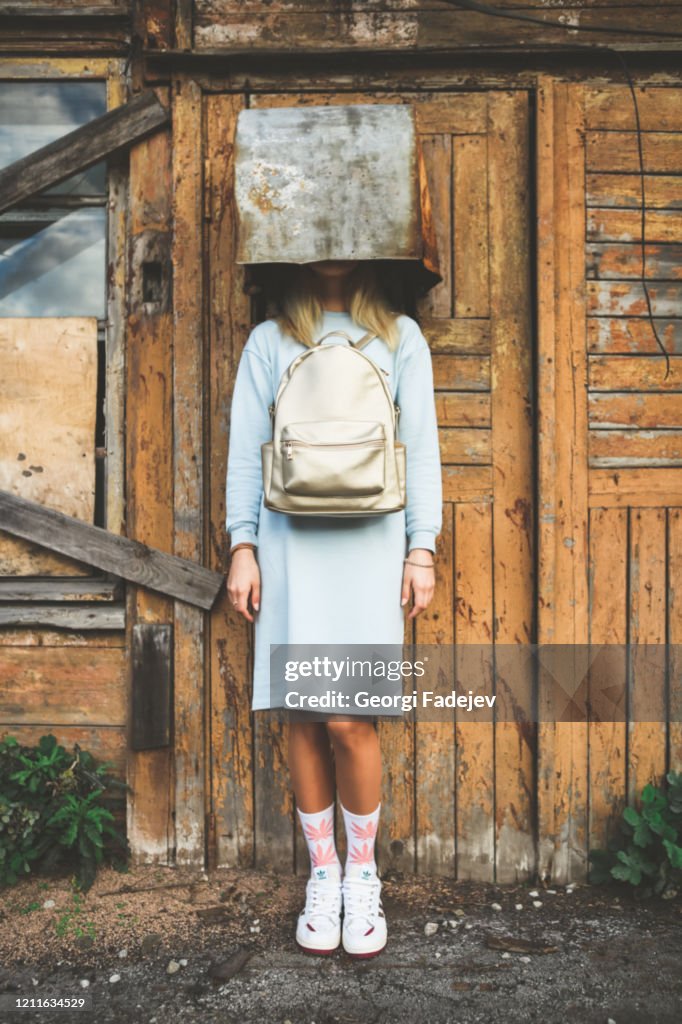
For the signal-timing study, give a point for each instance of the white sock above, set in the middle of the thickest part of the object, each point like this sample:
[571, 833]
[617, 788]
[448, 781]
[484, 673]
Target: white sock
[318, 829]
[361, 830]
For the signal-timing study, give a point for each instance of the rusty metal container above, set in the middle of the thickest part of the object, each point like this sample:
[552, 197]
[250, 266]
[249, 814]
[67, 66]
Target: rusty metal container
[333, 182]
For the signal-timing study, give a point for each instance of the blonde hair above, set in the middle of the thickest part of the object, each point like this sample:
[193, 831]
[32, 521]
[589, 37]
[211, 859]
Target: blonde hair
[301, 310]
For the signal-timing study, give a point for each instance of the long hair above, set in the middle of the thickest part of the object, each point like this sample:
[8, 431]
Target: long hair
[300, 308]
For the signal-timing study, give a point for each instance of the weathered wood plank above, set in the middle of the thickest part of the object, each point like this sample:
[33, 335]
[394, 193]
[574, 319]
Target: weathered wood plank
[219, 24]
[88, 617]
[647, 613]
[465, 445]
[184, 10]
[463, 336]
[513, 514]
[611, 107]
[605, 224]
[76, 9]
[631, 335]
[637, 487]
[461, 373]
[563, 478]
[467, 483]
[636, 373]
[434, 742]
[61, 590]
[188, 467]
[115, 348]
[151, 685]
[608, 567]
[646, 410]
[130, 559]
[661, 191]
[274, 812]
[471, 286]
[674, 624]
[618, 151]
[229, 317]
[54, 466]
[73, 686]
[81, 148]
[21, 636]
[624, 260]
[627, 298]
[609, 448]
[463, 409]
[475, 749]
[149, 463]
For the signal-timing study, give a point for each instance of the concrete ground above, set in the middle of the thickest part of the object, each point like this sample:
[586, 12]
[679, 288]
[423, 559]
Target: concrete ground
[161, 946]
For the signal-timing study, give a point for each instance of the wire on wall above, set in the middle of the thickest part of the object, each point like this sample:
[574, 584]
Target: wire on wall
[496, 12]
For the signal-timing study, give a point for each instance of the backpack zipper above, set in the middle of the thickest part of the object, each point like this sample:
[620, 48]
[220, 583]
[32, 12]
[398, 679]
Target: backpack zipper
[289, 445]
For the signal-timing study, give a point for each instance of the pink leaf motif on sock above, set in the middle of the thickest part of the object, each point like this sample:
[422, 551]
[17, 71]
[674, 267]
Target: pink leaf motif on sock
[323, 855]
[367, 831]
[325, 830]
[361, 854]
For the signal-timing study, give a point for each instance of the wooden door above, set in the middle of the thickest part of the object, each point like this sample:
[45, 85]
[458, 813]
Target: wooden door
[610, 454]
[457, 797]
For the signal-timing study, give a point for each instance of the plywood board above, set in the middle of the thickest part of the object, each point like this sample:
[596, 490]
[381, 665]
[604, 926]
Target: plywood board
[48, 396]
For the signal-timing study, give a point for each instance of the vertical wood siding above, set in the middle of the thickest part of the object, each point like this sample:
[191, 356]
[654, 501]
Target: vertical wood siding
[609, 428]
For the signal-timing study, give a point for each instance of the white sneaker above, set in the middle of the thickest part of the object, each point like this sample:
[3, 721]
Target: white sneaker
[318, 929]
[364, 922]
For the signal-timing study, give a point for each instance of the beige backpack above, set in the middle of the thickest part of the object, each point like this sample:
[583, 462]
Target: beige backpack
[334, 450]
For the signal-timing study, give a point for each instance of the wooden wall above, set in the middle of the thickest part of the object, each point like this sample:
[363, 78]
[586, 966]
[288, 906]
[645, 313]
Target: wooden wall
[456, 799]
[560, 444]
[416, 25]
[610, 487]
[515, 565]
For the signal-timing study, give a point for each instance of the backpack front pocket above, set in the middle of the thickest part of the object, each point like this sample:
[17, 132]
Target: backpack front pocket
[333, 458]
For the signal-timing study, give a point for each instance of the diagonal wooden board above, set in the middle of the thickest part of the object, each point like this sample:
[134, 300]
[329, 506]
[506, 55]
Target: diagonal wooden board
[77, 150]
[134, 561]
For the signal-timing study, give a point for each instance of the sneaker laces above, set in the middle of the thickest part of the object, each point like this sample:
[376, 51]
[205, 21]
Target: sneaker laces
[361, 902]
[323, 899]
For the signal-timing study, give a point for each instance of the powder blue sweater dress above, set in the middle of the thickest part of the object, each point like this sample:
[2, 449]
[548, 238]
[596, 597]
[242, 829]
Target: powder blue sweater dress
[330, 580]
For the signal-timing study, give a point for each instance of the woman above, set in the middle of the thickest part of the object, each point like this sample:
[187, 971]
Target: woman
[333, 580]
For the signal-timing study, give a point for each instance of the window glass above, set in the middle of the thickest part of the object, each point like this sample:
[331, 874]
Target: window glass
[53, 264]
[52, 246]
[35, 113]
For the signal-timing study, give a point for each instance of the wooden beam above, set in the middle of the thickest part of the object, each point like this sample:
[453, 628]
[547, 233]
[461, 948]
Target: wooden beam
[80, 149]
[48, 11]
[130, 559]
[55, 616]
[16, 588]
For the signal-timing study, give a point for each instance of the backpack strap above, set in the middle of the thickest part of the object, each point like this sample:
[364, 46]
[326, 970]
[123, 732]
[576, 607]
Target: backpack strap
[356, 344]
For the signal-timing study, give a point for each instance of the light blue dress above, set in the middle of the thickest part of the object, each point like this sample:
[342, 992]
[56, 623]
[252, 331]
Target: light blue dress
[330, 580]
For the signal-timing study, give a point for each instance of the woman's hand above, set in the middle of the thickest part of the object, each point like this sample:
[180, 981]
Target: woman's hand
[243, 582]
[421, 580]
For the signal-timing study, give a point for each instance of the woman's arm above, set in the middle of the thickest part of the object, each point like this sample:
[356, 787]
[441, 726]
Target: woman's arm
[249, 428]
[418, 429]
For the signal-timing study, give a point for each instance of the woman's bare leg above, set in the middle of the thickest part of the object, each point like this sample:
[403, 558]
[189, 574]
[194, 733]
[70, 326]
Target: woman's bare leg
[310, 766]
[358, 764]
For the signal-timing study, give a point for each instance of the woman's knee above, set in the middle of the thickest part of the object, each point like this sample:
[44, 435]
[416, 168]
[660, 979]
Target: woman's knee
[308, 732]
[349, 733]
